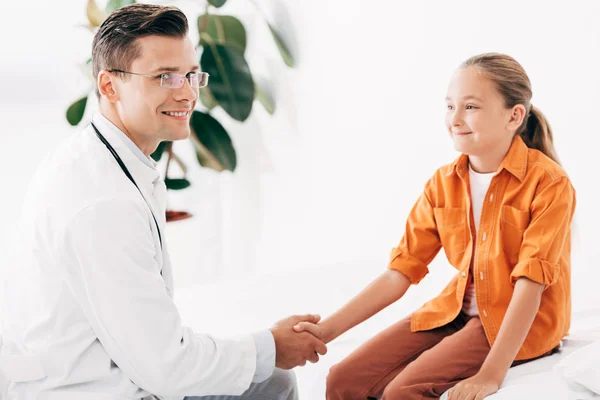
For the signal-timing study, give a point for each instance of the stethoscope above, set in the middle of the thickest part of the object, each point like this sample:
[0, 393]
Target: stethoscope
[126, 171]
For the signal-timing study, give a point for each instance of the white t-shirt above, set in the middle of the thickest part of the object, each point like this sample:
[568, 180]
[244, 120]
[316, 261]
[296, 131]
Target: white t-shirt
[479, 187]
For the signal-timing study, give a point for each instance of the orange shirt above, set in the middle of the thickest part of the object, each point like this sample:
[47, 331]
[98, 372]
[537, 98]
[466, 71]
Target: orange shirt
[524, 231]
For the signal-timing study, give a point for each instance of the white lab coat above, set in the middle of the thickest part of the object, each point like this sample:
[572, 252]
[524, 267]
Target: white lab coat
[87, 313]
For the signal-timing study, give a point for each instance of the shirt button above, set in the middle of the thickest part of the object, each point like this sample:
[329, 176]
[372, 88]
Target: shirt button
[481, 275]
[484, 313]
[464, 274]
[491, 196]
[484, 236]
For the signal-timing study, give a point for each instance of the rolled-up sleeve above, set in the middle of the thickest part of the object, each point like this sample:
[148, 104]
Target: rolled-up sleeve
[545, 238]
[421, 241]
[109, 258]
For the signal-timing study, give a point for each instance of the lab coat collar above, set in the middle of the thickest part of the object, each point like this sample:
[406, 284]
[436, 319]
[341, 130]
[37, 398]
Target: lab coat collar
[143, 169]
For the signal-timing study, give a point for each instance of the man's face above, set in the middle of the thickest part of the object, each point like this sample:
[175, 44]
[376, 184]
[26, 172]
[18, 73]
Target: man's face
[143, 105]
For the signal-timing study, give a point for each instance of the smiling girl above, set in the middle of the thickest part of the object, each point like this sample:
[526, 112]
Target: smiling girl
[502, 214]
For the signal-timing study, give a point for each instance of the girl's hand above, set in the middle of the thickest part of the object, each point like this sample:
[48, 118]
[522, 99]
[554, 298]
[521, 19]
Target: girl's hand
[477, 387]
[315, 329]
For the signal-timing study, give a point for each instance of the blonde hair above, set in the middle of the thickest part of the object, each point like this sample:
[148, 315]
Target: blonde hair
[514, 85]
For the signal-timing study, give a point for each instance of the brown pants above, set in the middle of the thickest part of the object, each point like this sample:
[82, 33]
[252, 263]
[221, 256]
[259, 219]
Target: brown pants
[400, 364]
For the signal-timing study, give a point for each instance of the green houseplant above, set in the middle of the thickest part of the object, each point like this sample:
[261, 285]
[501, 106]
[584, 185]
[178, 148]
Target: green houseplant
[222, 47]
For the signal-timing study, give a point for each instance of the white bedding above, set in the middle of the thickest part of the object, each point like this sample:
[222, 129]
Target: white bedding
[541, 379]
[256, 304]
[234, 307]
[533, 380]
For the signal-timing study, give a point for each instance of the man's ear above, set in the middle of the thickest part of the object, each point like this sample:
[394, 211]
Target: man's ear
[517, 114]
[106, 86]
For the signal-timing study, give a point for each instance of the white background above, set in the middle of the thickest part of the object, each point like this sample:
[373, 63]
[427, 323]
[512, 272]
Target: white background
[330, 178]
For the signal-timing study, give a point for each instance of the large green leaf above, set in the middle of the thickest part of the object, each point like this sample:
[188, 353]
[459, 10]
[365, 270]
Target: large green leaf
[231, 82]
[159, 151]
[265, 99]
[213, 145]
[283, 49]
[76, 110]
[207, 99]
[112, 5]
[176, 184]
[217, 3]
[205, 157]
[222, 29]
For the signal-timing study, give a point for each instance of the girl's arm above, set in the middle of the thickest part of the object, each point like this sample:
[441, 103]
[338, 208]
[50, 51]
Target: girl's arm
[519, 317]
[408, 265]
[383, 291]
[517, 321]
[543, 242]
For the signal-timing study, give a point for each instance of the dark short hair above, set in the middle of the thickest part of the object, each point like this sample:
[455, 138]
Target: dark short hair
[115, 46]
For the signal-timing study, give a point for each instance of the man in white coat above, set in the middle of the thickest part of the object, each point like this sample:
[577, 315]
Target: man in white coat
[89, 312]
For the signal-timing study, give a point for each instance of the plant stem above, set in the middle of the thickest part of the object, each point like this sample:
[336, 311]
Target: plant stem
[170, 149]
[258, 9]
[205, 19]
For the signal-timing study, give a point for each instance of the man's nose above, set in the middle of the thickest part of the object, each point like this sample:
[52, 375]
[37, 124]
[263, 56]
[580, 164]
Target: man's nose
[186, 92]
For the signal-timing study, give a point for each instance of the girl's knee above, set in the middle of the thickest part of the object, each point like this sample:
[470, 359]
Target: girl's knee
[339, 381]
[405, 386]
[336, 377]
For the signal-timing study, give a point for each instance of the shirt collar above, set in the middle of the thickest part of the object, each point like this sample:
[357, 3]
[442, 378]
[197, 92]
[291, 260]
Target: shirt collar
[514, 162]
[142, 167]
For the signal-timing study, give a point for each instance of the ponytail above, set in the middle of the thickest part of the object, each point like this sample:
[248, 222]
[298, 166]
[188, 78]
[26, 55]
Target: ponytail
[537, 134]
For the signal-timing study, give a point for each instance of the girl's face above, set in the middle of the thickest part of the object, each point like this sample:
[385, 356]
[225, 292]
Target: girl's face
[477, 118]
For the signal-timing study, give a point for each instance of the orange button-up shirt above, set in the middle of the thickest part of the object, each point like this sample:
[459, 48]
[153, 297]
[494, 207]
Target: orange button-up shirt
[524, 231]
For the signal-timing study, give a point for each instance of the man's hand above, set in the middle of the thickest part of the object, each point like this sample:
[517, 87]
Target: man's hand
[293, 349]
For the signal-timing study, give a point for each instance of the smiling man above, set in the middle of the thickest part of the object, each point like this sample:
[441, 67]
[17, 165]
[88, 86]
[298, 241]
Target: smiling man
[90, 312]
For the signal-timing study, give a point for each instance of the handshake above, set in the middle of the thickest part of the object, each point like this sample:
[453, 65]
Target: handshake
[298, 339]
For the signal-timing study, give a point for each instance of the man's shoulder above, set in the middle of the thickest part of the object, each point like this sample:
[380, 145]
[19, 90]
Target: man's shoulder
[75, 175]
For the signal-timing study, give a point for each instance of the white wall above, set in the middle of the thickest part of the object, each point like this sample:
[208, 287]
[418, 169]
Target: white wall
[359, 126]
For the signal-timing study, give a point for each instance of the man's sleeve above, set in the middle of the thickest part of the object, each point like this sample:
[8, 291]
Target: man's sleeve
[108, 253]
[265, 355]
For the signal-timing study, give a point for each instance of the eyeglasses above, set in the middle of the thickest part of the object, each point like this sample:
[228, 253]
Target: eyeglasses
[170, 80]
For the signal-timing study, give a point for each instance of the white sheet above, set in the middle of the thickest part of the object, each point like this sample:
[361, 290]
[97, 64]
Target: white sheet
[248, 306]
[543, 385]
[230, 308]
[541, 380]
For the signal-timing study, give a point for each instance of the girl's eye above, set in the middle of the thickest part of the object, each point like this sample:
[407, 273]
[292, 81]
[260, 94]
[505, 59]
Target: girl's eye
[449, 107]
[471, 107]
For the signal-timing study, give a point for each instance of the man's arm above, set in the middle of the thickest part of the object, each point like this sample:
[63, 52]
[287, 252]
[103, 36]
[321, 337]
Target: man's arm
[108, 253]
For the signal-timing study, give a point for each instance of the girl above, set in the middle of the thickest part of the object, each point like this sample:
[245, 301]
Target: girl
[502, 213]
